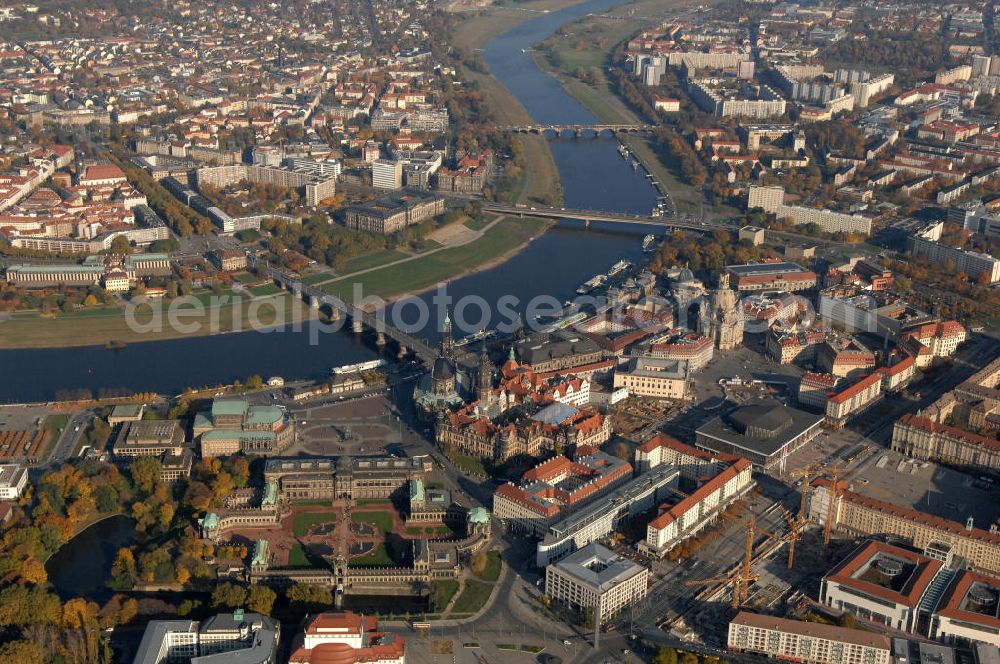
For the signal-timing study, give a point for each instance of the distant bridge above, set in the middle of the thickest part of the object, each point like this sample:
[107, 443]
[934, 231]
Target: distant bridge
[360, 319]
[664, 223]
[578, 129]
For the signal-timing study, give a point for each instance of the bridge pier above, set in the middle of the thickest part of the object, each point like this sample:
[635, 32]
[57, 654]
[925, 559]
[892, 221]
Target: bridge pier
[380, 339]
[357, 326]
[402, 351]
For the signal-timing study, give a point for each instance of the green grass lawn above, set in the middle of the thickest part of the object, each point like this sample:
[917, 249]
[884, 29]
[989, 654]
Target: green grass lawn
[441, 593]
[302, 522]
[54, 425]
[473, 596]
[264, 289]
[377, 557]
[95, 327]
[425, 244]
[493, 566]
[316, 278]
[381, 520]
[297, 556]
[246, 278]
[469, 464]
[374, 259]
[429, 270]
[478, 224]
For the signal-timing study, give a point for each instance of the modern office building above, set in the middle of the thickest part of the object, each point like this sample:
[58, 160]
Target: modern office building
[226, 638]
[885, 584]
[387, 174]
[969, 612]
[599, 517]
[596, 578]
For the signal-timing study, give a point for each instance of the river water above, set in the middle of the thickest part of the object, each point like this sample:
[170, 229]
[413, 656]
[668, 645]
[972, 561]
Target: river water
[593, 176]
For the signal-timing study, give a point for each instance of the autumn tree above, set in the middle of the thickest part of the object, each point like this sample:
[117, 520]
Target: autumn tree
[309, 598]
[229, 596]
[260, 599]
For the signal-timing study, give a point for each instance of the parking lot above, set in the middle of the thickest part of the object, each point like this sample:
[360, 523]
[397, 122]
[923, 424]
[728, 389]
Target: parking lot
[927, 487]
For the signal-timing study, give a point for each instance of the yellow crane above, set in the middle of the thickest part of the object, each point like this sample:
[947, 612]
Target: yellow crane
[743, 576]
[793, 535]
[835, 474]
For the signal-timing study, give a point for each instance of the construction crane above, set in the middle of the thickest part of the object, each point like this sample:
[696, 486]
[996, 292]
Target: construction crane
[835, 474]
[743, 576]
[796, 526]
[805, 475]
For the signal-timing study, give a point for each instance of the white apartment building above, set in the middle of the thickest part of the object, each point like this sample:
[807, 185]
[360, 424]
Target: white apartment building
[926, 245]
[828, 220]
[696, 511]
[13, 480]
[809, 642]
[768, 199]
[387, 174]
[596, 577]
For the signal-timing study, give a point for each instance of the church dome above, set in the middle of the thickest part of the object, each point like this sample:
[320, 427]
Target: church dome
[443, 369]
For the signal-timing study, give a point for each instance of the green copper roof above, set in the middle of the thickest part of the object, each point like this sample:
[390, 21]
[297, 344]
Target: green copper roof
[416, 489]
[260, 550]
[479, 515]
[270, 494]
[258, 415]
[225, 407]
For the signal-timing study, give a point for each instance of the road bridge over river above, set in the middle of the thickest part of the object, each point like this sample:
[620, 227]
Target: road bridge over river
[360, 319]
[663, 223]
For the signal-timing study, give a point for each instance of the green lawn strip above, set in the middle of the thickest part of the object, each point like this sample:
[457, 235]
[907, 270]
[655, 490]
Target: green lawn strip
[442, 592]
[429, 270]
[473, 596]
[372, 501]
[34, 331]
[425, 244]
[377, 557]
[478, 224]
[318, 277]
[265, 289]
[493, 566]
[54, 425]
[303, 521]
[374, 259]
[297, 556]
[381, 520]
[246, 278]
[469, 464]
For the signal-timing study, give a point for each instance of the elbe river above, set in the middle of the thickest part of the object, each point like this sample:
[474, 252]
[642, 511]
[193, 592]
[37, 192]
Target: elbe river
[593, 175]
